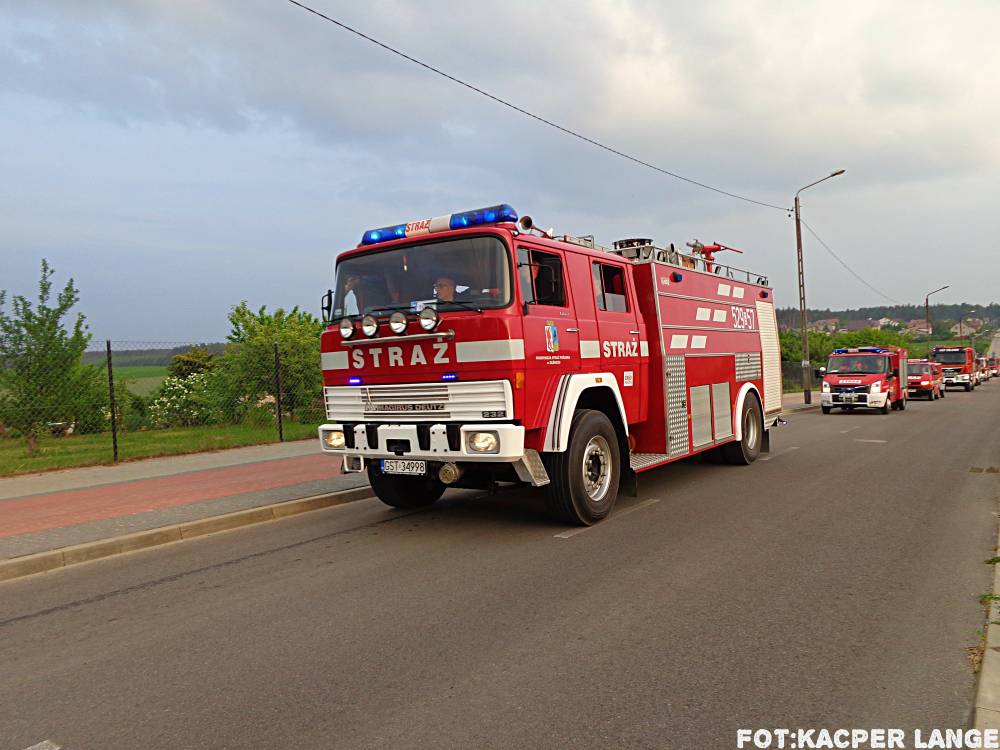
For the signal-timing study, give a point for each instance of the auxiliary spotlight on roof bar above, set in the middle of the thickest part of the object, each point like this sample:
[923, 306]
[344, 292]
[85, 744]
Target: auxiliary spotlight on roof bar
[478, 217]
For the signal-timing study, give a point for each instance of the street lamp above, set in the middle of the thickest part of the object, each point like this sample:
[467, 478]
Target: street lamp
[804, 318]
[927, 309]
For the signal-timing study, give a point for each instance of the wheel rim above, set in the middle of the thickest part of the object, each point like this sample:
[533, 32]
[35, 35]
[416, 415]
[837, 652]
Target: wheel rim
[596, 468]
[750, 430]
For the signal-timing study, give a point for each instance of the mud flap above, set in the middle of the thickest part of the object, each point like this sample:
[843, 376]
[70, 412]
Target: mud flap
[629, 483]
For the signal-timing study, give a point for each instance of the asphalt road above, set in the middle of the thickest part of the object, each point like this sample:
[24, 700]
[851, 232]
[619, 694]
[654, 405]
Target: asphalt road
[832, 585]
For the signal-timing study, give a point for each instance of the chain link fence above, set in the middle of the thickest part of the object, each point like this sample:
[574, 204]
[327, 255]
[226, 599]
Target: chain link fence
[132, 399]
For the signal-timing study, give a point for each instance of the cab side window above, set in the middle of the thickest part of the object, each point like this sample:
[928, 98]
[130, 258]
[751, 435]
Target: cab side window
[609, 288]
[541, 276]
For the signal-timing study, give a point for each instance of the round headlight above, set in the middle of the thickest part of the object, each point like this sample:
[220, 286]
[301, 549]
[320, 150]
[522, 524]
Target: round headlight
[428, 319]
[397, 322]
[346, 328]
[369, 326]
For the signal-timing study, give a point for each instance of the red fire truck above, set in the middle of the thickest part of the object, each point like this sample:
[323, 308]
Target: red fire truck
[869, 377]
[958, 364]
[994, 366]
[924, 378]
[983, 368]
[471, 349]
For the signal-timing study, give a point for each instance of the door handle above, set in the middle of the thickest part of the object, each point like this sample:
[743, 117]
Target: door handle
[572, 330]
[634, 333]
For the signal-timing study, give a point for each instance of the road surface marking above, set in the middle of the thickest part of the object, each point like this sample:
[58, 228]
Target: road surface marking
[867, 440]
[779, 453]
[613, 516]
[856, 427]
[44, 745]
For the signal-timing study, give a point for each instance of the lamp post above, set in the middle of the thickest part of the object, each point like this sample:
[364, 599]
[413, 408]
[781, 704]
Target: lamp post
[927, 309]
[803, 316]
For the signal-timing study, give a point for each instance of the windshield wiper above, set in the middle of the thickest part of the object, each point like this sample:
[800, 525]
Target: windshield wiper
[461, 303]
[388, 308]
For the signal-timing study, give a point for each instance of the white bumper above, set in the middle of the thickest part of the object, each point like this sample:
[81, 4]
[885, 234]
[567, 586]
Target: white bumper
[510, 443]
[957, 379]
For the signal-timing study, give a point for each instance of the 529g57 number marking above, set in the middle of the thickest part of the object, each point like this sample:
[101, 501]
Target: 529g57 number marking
[743, 317]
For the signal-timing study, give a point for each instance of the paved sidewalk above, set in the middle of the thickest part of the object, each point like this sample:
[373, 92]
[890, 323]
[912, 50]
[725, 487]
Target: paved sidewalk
[796, 401]
[48, 511]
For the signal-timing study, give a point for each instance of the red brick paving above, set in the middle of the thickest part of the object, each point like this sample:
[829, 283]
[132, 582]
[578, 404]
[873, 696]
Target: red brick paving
[60, 509]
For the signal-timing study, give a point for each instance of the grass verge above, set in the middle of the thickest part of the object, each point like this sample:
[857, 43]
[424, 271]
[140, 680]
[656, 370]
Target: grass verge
[91, 450]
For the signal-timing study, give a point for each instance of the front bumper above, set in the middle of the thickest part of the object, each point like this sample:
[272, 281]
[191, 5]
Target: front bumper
[957, 379]
[438, 448]
[872, 400]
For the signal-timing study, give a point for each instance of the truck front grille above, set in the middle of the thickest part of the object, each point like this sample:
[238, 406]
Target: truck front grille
[473, 401]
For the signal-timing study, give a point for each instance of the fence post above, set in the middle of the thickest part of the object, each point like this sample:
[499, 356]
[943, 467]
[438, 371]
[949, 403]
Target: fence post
[277, 394]
[114, 406]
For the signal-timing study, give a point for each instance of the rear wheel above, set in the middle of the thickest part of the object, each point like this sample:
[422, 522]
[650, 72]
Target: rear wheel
[746, 450]
[941, 391]
[585, 477]
[901, 404]
[402, 491]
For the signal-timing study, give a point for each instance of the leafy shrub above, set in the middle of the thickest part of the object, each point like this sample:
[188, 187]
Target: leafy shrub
[195, 360]
[185, 402]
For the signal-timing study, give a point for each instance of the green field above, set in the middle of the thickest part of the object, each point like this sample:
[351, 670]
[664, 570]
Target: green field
[141, 380]
[88, 450]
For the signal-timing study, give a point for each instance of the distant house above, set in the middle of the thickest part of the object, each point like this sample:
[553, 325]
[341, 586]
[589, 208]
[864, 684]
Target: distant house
[889, 323]
[967, 326]
[917, 325]
[826, 325]
[858, 325]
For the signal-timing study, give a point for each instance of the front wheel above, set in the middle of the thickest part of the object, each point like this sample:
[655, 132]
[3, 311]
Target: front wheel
[746, 450]
[886, 406]
[584, 478]
[403, 491]
[826, 409]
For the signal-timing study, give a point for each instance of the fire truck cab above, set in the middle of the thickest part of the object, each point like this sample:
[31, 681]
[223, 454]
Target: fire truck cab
[958, 365]
[472, 349]
[924, 378]
[867, 377]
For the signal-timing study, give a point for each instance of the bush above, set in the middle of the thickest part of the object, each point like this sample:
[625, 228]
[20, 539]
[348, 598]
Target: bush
[195, 360]
[185, 402]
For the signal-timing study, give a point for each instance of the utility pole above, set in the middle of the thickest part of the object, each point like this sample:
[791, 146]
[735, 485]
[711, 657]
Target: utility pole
[927, 309]
[803, 315]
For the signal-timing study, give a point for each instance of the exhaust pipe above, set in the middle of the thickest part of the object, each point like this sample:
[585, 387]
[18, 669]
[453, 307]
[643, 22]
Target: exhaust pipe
[449, 473]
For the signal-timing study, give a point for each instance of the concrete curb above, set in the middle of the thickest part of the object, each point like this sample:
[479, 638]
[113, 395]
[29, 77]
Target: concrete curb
[986, 714]
[64, 557]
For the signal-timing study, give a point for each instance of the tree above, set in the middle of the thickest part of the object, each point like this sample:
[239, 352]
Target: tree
[42, 377]
[246, 370]
[195, 360]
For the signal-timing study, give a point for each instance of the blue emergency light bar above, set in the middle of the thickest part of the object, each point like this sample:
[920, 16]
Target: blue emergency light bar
[463, 220]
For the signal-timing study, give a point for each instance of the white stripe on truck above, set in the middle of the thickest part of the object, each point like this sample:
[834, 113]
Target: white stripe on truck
[489, 351]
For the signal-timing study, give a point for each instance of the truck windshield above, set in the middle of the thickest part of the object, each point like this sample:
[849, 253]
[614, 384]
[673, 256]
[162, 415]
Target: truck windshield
[857, 365]
[918, 369]
[950, 358]
[460, 274]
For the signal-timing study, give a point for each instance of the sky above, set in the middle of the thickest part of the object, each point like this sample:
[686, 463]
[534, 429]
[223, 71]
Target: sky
[178, 156]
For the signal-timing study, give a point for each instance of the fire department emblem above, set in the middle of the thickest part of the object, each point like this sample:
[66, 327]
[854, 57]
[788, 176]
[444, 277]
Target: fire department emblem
[551, 336]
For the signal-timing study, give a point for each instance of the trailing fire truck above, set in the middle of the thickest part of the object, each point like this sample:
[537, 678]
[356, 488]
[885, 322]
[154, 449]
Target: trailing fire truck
[924, 378]
[994, 366]
[871, 377]
[958, 364]
[983, 368]
[473, 349]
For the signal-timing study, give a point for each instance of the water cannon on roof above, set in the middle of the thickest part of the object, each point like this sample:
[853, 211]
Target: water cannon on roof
[707, 252]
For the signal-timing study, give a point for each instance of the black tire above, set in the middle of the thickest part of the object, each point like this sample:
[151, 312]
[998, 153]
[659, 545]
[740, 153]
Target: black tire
[886, 406]
[968, 387]
[826, 409]
[901, 404]
[746, 450]
[592, 453]
[942, 391]
[402, 491]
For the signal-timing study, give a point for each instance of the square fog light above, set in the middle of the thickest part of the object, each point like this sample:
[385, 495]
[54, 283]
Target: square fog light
[483, 442]
[334, 439]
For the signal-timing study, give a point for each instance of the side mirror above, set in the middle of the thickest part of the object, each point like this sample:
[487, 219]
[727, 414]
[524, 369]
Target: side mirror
[327, 305]
[895, 372]
[819, 372]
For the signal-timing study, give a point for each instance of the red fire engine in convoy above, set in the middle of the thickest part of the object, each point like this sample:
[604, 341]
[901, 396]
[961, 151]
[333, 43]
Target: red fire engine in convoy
[983, 368]
[924, 378]
[471, 349]
[958, 364]
[994, 366]
[869, 376]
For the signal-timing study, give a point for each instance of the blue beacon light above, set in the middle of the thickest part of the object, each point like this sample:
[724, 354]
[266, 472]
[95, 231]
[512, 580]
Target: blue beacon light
[463, 220]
